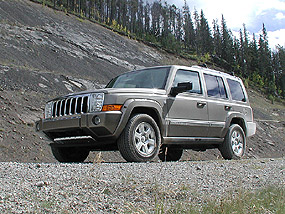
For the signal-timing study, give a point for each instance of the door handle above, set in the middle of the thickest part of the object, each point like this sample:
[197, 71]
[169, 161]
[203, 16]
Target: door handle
[228, 108]
[201, 104]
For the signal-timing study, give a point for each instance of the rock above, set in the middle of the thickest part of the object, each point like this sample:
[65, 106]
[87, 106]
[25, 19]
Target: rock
[198, 168]
[269, 142]
[40, 184]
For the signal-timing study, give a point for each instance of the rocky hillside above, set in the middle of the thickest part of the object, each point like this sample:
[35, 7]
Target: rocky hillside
[45, 53]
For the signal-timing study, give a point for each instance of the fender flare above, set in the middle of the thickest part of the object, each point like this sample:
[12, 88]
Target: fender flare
[130, 105]
[229, 119]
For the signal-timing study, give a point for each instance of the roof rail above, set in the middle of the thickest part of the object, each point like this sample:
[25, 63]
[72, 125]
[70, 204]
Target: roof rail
[204, 65]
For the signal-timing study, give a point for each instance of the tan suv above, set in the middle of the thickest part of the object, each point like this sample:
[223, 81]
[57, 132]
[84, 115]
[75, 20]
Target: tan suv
[149, 112]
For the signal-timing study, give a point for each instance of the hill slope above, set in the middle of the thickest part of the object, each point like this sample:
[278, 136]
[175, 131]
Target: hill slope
[45, 53]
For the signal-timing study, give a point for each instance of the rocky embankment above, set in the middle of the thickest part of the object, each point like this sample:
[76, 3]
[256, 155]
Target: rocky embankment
[130, 187]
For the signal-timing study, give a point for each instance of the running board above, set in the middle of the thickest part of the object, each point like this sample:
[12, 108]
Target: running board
[192, 140]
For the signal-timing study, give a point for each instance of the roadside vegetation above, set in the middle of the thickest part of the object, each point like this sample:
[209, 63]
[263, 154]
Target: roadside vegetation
[266, 200]
[188, 34]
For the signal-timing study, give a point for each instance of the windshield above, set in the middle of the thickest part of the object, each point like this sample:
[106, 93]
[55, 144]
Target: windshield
[147, 78]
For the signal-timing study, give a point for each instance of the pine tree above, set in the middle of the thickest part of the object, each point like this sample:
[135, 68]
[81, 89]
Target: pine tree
[179, 27]
[188, 28]
[147, 18]
[245, 53]
[227, 44]
[113, 11]
[140, 19]
[133, 8]
[217, 40]
[204, 36]
[156, 18]
[253, 55]
[278, 64]
[165, 12]
[239, 54]
[264, 61]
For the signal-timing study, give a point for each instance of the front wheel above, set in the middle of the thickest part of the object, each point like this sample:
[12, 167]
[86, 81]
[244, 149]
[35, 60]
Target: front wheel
[69, 154]
[140, 140]
[234, 144]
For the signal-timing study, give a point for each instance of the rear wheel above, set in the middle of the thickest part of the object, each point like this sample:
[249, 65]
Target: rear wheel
[170, 154]
[234, 144]
[140, 140]
[69, 154]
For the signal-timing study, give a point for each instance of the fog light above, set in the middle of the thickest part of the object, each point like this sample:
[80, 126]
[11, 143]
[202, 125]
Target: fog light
[96, 120]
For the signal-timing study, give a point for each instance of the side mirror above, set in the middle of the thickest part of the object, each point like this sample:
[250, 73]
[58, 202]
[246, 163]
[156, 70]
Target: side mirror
[181, 87]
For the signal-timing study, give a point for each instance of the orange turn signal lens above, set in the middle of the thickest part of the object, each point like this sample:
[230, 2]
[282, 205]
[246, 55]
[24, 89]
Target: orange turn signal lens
[112, 107]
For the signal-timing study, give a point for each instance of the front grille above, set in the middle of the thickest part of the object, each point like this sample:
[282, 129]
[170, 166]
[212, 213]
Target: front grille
[70, 106]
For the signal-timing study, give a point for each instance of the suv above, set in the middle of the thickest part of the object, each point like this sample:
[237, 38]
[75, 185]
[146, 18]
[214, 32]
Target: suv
[149, 112]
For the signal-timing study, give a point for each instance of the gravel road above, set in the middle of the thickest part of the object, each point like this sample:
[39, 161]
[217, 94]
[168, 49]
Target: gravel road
[128, 187]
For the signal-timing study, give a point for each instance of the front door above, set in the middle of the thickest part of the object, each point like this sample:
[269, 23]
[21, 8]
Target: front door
[188, 111]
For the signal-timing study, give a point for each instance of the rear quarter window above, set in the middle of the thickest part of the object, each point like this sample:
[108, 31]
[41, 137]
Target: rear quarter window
[236, 90]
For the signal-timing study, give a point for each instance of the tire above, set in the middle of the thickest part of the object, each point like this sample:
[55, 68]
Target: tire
[69, 154]
[140, 140]
[234, 144]
[170, 154]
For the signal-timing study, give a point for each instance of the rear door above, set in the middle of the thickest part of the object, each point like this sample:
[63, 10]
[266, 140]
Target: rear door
[219, 105]
[188, 112]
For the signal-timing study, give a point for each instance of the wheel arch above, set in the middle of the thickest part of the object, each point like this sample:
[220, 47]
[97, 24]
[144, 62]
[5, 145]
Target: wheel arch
[239, 121]
[236, 118]
[149, 111]
[141, 106]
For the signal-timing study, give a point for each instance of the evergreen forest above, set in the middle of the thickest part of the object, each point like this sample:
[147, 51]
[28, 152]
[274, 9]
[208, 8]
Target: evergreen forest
[189, 34]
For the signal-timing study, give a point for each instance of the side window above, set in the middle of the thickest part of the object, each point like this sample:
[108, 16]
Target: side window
[188, 76]
[215, 86]
[236, 90]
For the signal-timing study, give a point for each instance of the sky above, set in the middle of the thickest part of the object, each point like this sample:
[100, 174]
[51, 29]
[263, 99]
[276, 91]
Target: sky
[252, 13]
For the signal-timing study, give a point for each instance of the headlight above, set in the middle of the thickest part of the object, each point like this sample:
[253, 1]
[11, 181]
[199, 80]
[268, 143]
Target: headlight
[96, 102]
[48, 110]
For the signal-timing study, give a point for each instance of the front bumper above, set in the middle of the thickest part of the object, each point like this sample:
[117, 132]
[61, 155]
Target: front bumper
[76, 127]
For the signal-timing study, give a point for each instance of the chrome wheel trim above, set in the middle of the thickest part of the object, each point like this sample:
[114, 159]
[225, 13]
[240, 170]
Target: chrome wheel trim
[144, 139]
[237, 143]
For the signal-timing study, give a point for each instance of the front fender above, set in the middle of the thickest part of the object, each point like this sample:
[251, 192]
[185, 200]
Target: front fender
[129, 107]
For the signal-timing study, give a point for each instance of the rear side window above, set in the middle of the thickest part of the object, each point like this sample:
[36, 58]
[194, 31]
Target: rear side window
[215, 86]
[188, 76]
[236, 90]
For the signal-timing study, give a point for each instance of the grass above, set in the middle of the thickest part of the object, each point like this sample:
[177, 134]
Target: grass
[80, 19]
[266, 200]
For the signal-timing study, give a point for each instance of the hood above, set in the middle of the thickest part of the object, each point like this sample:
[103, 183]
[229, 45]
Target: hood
[115, 91]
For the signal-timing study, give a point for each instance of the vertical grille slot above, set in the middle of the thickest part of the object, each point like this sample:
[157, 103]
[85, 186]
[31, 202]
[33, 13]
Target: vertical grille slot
[85, 105]
[58, 108]
[62, 109]
[54, 109]
[67, 110]
[78, 106]
[73, 104]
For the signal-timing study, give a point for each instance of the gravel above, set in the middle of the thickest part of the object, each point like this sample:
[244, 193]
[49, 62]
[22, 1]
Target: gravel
[128, 187]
